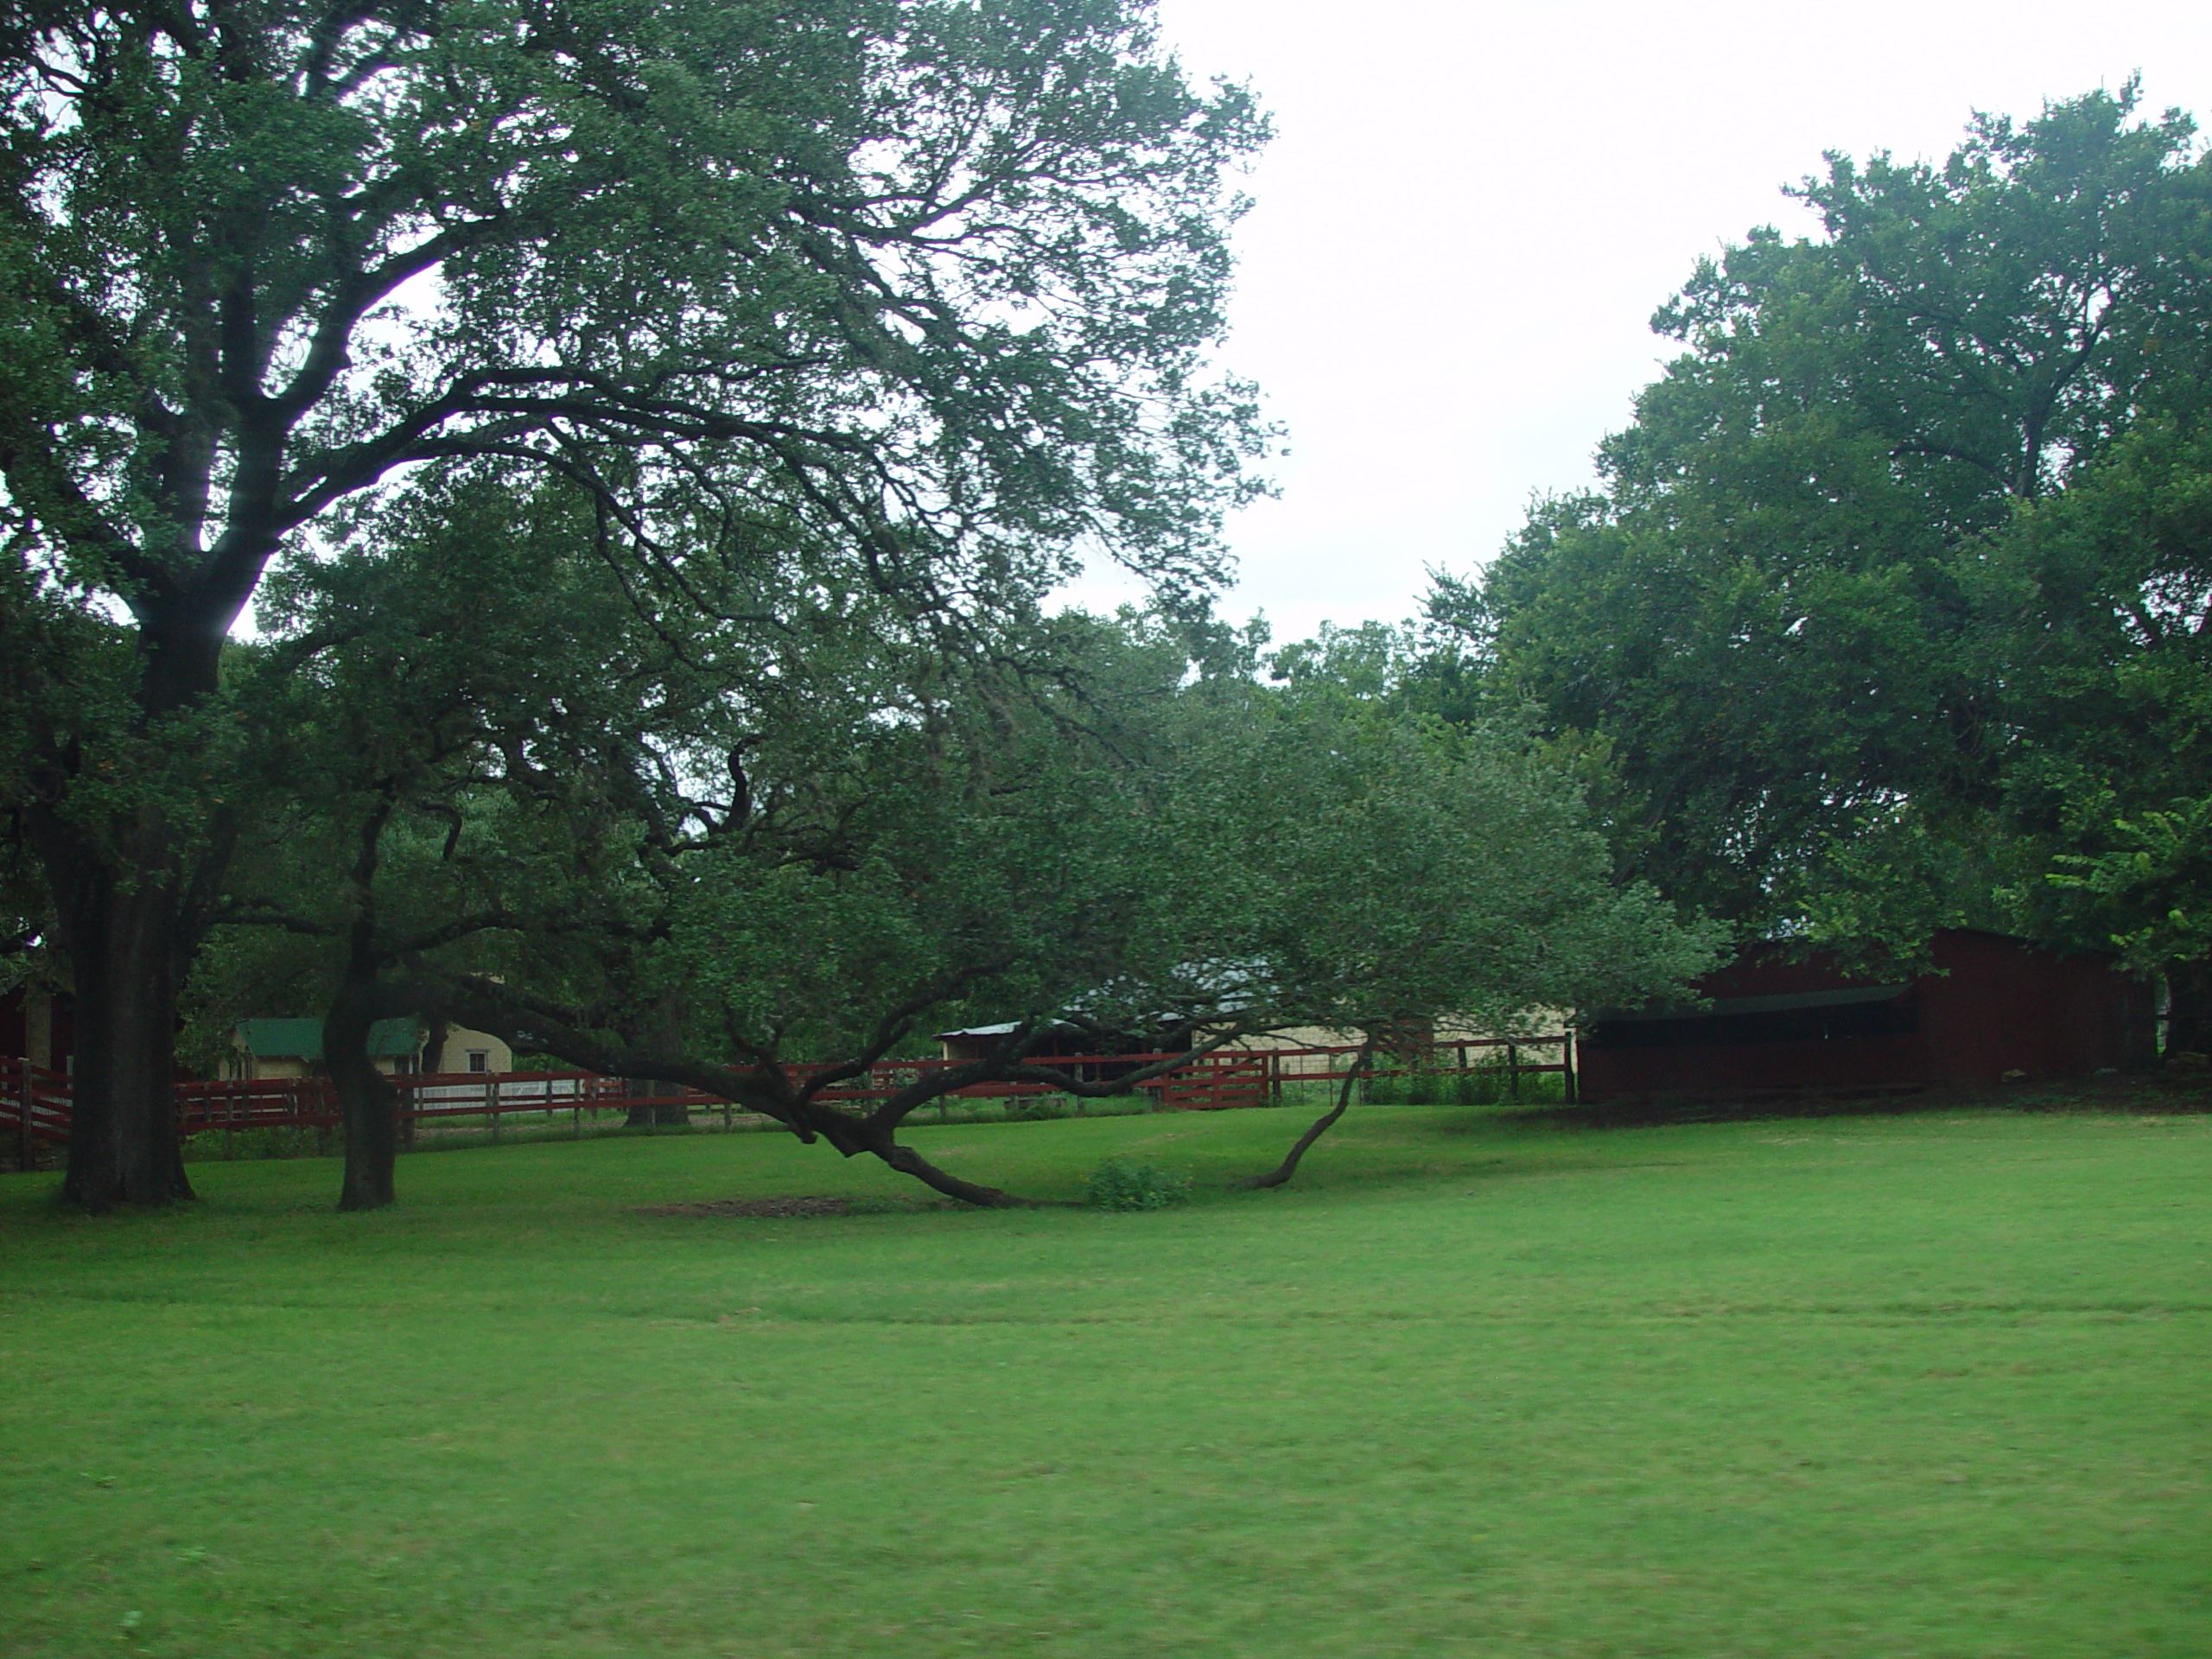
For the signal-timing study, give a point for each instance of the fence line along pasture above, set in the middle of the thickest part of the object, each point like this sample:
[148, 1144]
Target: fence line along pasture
[34, 1102]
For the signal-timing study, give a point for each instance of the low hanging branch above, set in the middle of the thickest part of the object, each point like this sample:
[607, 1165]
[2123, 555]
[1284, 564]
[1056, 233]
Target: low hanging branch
[1280, 1174]
[766, 1088]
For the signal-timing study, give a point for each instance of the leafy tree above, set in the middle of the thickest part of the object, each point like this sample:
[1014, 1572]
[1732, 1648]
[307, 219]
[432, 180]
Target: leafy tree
[470, 644]
[912, 294]
[1114, 826]
[2097, 611]
[1436, 870]
[1802, 630]
[1124, 849]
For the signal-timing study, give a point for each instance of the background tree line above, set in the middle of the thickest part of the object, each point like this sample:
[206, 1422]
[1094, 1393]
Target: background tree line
[1892, 608]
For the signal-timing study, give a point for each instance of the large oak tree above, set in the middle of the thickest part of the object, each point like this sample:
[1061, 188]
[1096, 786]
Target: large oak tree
[920, 287]
[1866, 612]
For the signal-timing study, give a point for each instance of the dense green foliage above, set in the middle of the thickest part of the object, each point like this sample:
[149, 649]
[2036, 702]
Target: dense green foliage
[720, 868]
[650, 438]
[890, 302]
[1126, 1183]
[1894, 598]
[1808, 1390]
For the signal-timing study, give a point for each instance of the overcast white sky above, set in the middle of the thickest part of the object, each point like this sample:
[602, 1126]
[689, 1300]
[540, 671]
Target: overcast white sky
[1470, 212]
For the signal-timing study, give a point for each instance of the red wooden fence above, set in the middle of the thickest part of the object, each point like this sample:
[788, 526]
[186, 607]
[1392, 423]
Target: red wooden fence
[34, 1102]
[34, 1107]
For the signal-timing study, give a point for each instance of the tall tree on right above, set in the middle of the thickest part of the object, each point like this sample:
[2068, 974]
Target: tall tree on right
[1831, 621]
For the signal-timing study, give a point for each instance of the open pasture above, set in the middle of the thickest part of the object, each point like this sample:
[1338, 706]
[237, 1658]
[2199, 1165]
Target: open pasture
[1920, 1385]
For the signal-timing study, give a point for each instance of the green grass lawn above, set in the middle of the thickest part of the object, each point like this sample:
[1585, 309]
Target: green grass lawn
[1870, 1388]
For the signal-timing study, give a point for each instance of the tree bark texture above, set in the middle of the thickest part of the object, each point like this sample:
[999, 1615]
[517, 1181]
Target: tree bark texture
[120, 923]
[368, 1105]
[1280, 1174]
[130, 921]
[657, 1102]
[907, 1161]
[654, 1104]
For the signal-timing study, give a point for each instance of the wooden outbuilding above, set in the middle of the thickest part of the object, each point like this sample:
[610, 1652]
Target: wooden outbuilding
[40, 1026]
[1992, 1009]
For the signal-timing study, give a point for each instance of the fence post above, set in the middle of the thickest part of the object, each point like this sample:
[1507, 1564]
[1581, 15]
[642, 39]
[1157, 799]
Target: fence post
[492, 1100]
[1567, 1061]
[26, 1148]
[1513, 1072]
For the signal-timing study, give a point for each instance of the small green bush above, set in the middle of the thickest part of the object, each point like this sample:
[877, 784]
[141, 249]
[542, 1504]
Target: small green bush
[1125, 1184]
[1469, 1088]
[1488, 1082]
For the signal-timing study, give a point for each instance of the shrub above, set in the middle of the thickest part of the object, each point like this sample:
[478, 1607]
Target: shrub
[1475, 1087]
[1488, 1082]
[1124, 1184]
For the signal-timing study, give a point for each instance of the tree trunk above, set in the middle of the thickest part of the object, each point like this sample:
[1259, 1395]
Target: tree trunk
[127, 948]
[1280, 1174]
[432, 1063]
[120, 914]
[368, 1105]
[907, 1161]
[656, 1103]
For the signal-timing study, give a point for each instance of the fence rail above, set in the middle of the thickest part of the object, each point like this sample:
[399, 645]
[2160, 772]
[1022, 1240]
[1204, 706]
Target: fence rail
[34, 1107]
[34, 1102]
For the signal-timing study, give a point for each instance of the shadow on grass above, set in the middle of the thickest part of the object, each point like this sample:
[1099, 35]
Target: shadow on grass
[2137, 1094]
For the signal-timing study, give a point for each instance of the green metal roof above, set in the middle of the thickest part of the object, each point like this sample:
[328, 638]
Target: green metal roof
[301, 1039]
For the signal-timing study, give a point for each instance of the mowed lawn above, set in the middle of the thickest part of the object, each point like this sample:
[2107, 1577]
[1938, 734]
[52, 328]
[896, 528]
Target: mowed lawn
[1870, 1388]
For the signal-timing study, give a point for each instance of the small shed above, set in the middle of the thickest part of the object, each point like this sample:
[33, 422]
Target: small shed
[1991, 1008]
[293, 1048]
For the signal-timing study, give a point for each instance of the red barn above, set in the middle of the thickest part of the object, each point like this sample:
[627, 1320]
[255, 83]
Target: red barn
[38, 1027]
[1993, 1007]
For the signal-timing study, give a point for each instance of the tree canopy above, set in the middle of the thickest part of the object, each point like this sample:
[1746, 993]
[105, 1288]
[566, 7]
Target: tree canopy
[1897, 572]
[645, 877]
[869, 297]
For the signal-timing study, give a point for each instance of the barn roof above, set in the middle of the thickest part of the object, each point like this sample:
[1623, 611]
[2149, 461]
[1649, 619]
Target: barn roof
[301, 1039]
[1720, 1005]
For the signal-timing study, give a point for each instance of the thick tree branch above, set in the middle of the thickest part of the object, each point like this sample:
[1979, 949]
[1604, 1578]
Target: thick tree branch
[1282, 1171]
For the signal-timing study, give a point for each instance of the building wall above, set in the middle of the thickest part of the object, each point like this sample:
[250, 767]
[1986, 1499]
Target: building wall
[1993, 1007]
[1720, 1069]
[1295, 1037]
[2002, 1006]
[460, 1043]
